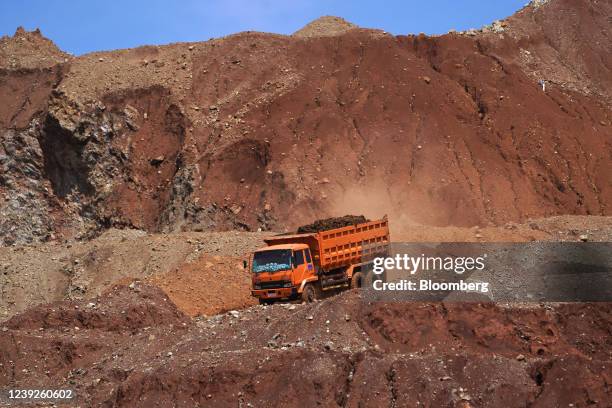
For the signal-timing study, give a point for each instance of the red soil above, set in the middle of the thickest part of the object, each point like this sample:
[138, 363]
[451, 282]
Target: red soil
[132, 348]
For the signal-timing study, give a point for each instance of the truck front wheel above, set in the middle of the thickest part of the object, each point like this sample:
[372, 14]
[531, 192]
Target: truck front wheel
[309, 294]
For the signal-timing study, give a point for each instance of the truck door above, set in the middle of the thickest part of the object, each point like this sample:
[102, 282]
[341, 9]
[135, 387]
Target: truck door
[299, 266]
[310, 269]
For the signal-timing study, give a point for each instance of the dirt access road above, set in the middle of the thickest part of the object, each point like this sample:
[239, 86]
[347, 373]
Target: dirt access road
[202, 271]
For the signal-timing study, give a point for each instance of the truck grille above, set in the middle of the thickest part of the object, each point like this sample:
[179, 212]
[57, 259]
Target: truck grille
[273, 284]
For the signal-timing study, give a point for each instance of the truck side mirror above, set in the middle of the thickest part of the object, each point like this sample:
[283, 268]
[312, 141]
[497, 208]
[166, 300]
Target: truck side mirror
[244, 264]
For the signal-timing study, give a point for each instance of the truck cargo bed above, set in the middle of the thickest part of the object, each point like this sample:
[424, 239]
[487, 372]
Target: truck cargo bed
[341, 247]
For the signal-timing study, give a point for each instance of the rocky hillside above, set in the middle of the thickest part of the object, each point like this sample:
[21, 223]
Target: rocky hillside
[268, 131]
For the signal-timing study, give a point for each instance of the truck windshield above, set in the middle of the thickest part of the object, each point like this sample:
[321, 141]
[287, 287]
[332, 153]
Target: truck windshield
[272, 261]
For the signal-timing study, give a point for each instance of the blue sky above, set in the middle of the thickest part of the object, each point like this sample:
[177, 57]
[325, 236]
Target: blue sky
[81, 26]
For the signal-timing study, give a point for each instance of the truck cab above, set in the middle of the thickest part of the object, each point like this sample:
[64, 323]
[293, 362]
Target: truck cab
[281, 271]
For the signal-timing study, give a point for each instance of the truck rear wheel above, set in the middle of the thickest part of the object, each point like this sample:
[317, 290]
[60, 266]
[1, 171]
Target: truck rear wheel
[309, 294]
[357, 280]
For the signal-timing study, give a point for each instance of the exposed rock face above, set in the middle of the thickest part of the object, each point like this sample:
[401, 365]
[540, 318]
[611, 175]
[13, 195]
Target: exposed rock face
[24, 212]
[268, 131]
[538, 3]
[27, 203]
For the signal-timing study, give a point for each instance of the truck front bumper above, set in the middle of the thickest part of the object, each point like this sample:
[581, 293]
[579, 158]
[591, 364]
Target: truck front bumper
[276, 293]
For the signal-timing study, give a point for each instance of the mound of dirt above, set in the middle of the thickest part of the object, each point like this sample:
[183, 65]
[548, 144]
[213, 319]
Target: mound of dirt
[325, 26]
[210, 285]
[331, 223]
[121, 308]
[342, 351]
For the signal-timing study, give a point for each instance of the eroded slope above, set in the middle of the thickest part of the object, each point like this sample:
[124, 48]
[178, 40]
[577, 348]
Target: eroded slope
[267, 131]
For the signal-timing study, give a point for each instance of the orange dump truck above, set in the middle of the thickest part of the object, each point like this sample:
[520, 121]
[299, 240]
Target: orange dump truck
[304, 265]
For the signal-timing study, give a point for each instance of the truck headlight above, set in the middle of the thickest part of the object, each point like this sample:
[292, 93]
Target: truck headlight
[256, 287]
[287, 285]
